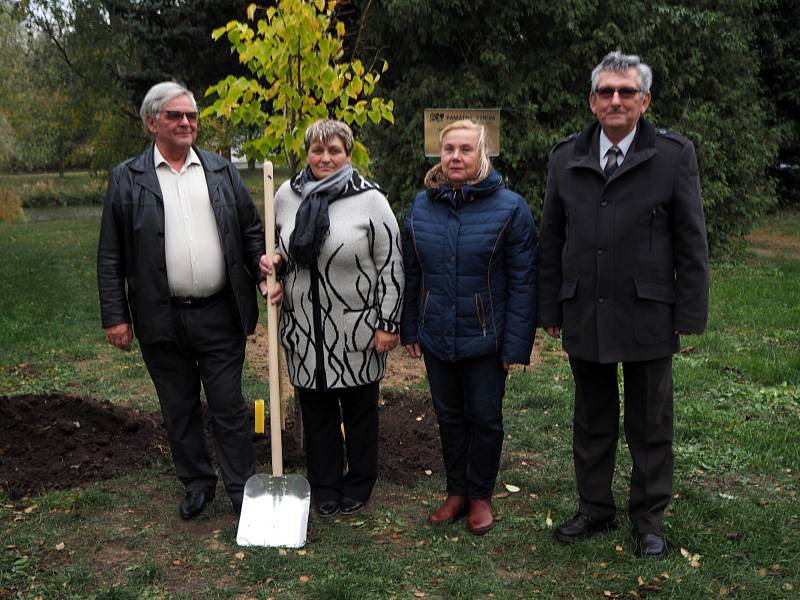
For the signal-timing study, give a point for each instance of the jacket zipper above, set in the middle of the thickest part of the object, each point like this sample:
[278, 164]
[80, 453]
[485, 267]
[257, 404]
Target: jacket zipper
[316, 309]
[424, 309]
[479, 310]
[566, 234]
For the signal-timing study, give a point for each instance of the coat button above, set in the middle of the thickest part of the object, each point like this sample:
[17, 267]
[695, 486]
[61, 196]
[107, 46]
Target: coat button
[601, 250]
[603, 203]
[601, 299]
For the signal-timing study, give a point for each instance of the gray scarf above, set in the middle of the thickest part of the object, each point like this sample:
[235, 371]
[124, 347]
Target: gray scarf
[312, 222]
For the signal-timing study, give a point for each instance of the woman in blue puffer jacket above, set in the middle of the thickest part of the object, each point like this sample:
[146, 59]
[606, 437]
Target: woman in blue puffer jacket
[469, 250]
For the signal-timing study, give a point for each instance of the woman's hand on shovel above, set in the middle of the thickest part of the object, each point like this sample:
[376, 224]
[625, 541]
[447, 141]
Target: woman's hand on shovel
[266, 270]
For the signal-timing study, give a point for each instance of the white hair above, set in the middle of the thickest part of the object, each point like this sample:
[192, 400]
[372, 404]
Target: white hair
[620, 63]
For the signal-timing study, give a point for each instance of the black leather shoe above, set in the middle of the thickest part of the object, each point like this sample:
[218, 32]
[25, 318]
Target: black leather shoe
[328, 508]
[350, 506]
[650, 545]
[581, 527]
[194, 501]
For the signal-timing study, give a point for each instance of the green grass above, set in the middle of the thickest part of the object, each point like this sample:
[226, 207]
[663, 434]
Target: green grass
[735, 502]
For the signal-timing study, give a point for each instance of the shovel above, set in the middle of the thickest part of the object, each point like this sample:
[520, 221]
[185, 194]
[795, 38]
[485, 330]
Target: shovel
[275, 507]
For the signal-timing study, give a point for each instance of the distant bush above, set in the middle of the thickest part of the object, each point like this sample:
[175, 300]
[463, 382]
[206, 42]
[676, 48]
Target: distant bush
[48, 193]
[10, 206]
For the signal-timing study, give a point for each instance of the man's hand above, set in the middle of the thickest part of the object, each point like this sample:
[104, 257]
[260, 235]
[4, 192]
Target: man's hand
[120, 335]
[553, 332]
[385, 341]
[414, 350]
[266, 270]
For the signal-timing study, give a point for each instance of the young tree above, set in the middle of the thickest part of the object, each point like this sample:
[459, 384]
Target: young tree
[294, 53]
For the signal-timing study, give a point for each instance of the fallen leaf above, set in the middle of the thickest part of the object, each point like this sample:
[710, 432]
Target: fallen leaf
[684, 553]
[419, 419]
[239, 555]
[283, 552]
[762, 571]
[619, 548]
[548, 521]
[533, 496]
[31, 508]
[512, 488]
[60, 546]
[302, 552]
[788, 586]
[304, 578]
[428, 472]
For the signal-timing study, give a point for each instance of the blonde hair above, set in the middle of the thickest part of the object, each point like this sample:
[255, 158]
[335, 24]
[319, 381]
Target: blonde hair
[483, 144]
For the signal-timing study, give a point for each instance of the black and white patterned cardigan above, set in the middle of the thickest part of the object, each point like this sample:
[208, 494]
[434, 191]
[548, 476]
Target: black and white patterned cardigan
[359, 278]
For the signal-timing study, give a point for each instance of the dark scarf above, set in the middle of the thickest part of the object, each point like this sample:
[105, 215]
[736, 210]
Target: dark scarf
[312, 222]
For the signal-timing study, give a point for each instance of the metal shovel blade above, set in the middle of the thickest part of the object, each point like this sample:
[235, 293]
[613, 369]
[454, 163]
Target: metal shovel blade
[274, 511]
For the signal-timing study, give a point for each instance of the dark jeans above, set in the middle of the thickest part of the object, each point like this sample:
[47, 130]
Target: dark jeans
[323, 415]
[468, 398]
[209, 350]
[648, 431]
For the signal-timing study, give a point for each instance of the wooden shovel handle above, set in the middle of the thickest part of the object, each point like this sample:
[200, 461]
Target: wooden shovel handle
[272, 327]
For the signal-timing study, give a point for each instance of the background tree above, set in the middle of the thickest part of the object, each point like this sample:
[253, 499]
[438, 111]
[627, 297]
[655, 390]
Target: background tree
[532, 59]
[295, 54]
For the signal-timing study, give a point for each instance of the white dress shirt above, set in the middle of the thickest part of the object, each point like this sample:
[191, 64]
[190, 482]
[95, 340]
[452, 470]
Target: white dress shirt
[624, 145]
[195, 260]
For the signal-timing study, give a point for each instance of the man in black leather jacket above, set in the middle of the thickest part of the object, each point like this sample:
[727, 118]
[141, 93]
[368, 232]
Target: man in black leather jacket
[177, 262]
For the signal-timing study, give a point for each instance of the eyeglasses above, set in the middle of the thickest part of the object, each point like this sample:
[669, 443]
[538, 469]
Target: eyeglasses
[626, 93]
[176, 115]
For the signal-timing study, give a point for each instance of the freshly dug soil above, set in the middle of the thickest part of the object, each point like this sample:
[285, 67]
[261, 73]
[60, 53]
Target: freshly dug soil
[59, 442]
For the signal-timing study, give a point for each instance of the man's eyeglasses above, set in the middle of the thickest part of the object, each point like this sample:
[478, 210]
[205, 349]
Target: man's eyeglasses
[176, 115]
[626, 93]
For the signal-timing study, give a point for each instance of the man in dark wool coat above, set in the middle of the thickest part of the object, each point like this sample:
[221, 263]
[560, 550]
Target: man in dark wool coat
[623, 272]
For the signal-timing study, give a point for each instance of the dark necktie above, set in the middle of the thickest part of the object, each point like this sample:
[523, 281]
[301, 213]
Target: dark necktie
[611, 161]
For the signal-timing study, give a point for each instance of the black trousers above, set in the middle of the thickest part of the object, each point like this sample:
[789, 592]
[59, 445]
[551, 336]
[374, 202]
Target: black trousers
[323, 416]
[648, 430]
[210, 351]
[468, 398]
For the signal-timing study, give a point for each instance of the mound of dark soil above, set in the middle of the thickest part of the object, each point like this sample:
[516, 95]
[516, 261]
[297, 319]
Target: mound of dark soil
[59, 442]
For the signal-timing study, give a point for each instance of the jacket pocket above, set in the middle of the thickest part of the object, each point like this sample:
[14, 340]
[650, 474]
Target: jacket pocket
[655, 301]
[359, 329]
[480, 312]
[568, 289]
[570, 309]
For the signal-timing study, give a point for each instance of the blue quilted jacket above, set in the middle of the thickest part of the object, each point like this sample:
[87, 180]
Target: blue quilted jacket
[470, 264]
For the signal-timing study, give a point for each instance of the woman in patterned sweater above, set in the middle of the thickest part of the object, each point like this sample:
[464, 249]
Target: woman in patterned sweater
[342, 278]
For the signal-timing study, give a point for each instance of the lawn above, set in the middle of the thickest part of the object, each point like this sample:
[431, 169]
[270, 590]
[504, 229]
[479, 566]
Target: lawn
[732, 526]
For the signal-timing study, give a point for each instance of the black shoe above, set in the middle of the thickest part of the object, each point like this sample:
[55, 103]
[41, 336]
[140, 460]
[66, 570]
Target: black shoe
[581, 527]
[194, 501]
[650, 545]
[328, 508]
[350, 506]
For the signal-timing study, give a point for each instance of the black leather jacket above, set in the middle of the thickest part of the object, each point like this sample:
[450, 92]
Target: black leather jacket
[131, 247]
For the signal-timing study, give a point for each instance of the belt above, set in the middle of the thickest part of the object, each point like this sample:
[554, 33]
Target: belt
[194, 302]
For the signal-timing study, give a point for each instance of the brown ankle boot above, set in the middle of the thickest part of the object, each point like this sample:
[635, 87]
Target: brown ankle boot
[451, 510]
[480, 519]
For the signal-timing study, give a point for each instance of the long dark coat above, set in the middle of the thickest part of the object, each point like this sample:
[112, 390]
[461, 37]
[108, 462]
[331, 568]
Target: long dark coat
[623, 262]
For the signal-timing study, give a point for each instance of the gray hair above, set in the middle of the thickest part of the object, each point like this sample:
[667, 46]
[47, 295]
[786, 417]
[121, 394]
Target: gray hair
[158, 95]
[323, 130]
[620, 63]
[483, 144]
